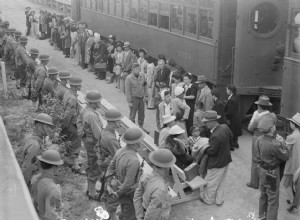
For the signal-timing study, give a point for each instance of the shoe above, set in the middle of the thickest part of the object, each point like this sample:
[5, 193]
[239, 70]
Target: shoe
[288, 202]
[250, 186]
[291, 208]
[18, 87]
[78, 171]
[147, 132]
[237, 146]
[220, 204]
[94, 197]
[202, 201]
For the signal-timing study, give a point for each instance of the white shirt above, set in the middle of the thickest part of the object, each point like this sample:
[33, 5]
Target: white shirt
[167, 108]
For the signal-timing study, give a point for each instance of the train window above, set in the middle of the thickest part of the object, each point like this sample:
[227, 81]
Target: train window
[94, 5]
[126, 8]
[296, 34]
[143, 11]
[190, 20]
[112, 7]
[164, 14]
[153, 10]
[88, 4]
[119, 8]
[205, 23]
[264, 18]
[99, 5]
[134, 9]
[176, 17]
[105, 6]
[206, 4]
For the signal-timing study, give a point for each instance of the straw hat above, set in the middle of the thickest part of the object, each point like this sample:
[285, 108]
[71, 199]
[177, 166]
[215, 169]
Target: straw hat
[295, 119]
[176, 130]
[263, 100]
[168, 118]
[178, 90]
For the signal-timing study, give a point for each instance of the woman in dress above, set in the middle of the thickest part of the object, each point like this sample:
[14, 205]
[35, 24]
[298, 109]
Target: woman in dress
[150, 81]
[190, 98]
[119, 56]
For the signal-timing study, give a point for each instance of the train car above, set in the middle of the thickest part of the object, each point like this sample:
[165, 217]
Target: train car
[290, 102]
[197, 34]
[259, 50]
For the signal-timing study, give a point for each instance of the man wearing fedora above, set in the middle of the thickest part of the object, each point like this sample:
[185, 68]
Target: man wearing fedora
[46, 193]
[152, 199]
[272, 150]
[218, 161]
[204, 94]
[123, 175]
[263, 110]
[90, 126]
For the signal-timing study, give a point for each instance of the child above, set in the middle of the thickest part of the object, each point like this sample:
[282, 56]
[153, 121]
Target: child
[118, 71]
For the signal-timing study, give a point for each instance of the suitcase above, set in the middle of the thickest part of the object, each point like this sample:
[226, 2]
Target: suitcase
[191, 171]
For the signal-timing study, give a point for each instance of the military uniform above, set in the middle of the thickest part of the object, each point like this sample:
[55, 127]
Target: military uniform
[47, 197]
[90, 126]
[21, 63]
[37, 81]
[49, 87]
[30, 69]
[271, 152]
[31, 149]
[152, 200]
[72, 110]
[60, 92]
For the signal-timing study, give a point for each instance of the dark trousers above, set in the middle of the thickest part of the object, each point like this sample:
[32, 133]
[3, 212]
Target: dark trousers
[138, 106]
[72, 135]
[28, 29]
[21, 74]
[67, 51]
[93, 170]
[269, 199]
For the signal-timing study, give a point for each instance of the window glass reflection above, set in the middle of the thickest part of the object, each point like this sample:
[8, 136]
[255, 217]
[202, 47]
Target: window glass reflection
[296, 37]
[119, 8]
[143, 14]
[205, 23]
[112, 7]
[191, 20]
[134, 9]
[176, 17]
[153, 10]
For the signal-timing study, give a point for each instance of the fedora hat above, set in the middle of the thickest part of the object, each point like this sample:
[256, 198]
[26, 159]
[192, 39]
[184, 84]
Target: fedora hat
[295, 119]
[201, 79]
[162, 158]
[176, 130]
[168, 118]
[210, 116]
[178, 91]
[133, 136]
[263, 100]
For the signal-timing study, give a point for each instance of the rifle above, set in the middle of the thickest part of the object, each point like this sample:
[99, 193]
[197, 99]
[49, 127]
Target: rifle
[102, 181]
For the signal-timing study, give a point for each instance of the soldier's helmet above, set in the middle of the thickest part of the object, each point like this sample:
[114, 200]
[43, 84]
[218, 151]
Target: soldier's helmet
[44, 118]
[11, 30]
[18, 33]
[6, 22]
[113, 115]
[162, 158]
[75, 81]
[133, 136]
[23, 39]
[51, 157]
[64, 74]
[93, 96]
[44, 57]
[34, 51]
[52, 71]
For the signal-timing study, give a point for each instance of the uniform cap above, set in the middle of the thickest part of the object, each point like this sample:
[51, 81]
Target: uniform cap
[75, 81]
[34, 51]
[162, 158]
[93, 96]
[23, 39]
[175, 130]
[44, 57]
[64, 74]
[52, 71]
[266, 123]
[178, 91]
[44, 118]
[113, 115]
[51, 157]
[263, 100]
[18, 33]
[201, 79]
[210, 116]
[133, 136]
[295, 119]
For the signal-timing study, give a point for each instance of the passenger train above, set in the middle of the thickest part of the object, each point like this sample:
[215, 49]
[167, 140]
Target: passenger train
[253, 44]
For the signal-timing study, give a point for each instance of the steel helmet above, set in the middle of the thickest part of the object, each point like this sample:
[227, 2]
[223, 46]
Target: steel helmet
[23, 39]
[162, 158]
[75, 81]
[52, 71]
[113, 115]
[133, 136]
[93, 96]
[18, 33]
[44, 57]
[34, 51]
[44, 118]
[51, 157]
[64, 74]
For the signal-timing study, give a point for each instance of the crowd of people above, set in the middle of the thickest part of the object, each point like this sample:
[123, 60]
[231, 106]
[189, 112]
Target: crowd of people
[195, 126]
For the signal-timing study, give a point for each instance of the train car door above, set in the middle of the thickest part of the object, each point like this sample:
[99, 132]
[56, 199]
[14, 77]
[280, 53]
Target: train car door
[260, 41]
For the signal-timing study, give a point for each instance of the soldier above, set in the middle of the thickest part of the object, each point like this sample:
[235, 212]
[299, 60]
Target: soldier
[11, 50]
[30, 69]
[90, 125]
[6, 46]
[64, 76]
[50, 83]
[152, 199]
[33, 145]
[6, 25]
[123, 174]
[21, 63]
[271, 152]
[39, 76]
[69, 127]
[46, 193]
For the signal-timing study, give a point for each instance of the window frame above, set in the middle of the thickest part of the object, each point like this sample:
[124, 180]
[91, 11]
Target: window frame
[292, 29]
[139, 12]
[174, 30]
[114, 3]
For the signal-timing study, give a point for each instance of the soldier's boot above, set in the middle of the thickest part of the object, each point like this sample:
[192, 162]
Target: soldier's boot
[18, 83]
[91, 190]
